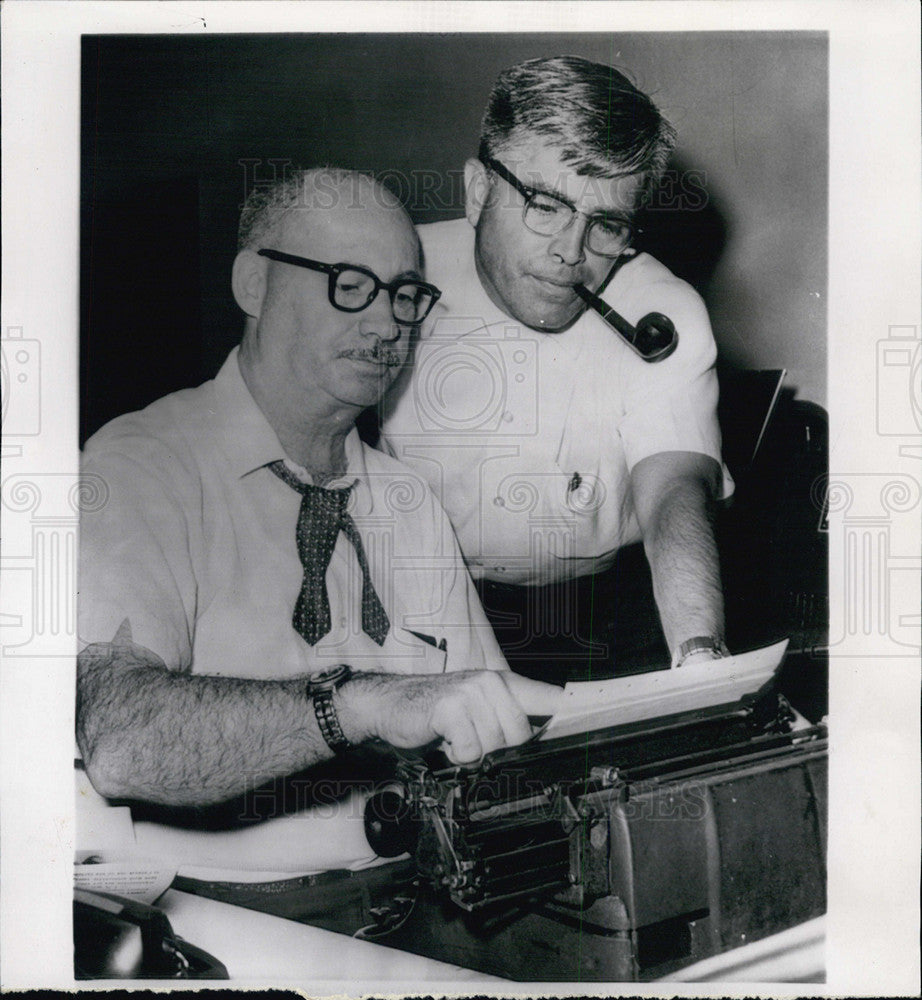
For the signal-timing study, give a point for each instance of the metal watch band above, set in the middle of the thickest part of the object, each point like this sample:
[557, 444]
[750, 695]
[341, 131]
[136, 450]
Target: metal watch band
[700, 644]
[320, 688]
[328, 721]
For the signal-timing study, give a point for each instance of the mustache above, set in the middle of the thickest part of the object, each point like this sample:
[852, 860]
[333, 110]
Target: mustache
[378, 355]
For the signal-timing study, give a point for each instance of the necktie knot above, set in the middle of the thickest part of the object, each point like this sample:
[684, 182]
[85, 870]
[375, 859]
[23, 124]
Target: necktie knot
[321, 498]
[321, 517]
[322, 509]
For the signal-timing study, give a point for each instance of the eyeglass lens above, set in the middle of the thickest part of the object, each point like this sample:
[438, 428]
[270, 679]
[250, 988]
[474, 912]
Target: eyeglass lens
[409, 301]
[547, 216]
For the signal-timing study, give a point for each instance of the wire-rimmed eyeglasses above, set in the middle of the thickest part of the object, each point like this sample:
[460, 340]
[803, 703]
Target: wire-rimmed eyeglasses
[548, 214]
[352, 288]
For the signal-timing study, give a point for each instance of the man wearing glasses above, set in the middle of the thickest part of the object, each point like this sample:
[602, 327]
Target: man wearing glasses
[551, 442]
[261, 591]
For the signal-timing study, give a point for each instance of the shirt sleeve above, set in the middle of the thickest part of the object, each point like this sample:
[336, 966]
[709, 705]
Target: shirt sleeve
[671, 405]
[134, 560]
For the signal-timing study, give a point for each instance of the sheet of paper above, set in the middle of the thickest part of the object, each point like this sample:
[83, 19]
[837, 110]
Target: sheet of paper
[593, 705]
[143, 881]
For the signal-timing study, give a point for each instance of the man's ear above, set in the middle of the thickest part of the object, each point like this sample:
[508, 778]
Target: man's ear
[476, 189]
[248, 280]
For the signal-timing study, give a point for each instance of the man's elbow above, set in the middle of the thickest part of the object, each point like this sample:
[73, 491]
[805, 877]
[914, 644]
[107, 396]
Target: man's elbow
[114, 683]
[106, 778]
[109, 759]
[673, 485]
[108, 768]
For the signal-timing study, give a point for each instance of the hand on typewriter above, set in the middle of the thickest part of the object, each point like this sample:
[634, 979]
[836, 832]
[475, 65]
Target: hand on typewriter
[471, 712]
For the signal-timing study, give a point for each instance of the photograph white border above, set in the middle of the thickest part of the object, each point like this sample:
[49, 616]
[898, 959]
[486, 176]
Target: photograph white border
[874, 240]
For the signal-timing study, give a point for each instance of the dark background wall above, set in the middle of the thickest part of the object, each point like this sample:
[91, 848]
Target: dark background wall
[175, 129]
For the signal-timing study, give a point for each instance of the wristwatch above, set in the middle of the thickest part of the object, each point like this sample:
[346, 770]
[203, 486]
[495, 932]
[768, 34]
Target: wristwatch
[320, 688]
[700, 644]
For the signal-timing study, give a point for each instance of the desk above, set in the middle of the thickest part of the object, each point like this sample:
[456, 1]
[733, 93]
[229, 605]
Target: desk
[257, 947]
[796, 955]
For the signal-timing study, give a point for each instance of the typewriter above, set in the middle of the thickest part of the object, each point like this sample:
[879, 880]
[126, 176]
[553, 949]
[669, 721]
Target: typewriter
[621, 854]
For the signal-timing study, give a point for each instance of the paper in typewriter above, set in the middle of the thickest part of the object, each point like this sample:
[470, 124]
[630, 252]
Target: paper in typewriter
[590, 705]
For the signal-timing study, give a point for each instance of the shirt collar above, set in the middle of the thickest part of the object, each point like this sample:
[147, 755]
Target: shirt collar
[248, 441]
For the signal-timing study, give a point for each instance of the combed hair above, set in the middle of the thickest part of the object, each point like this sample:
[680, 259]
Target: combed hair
[601, 123]
[266, 206]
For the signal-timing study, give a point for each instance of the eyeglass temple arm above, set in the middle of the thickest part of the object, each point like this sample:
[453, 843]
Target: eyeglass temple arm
[290, 258]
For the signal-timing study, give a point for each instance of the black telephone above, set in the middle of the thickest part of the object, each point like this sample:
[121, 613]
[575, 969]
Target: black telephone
[120, 938]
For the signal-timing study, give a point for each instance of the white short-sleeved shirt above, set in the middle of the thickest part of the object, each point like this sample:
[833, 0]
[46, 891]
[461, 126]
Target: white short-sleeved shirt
[193, 541]
[195, 545]
[529, 438]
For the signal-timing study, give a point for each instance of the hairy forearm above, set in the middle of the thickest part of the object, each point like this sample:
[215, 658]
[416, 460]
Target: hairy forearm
[682, 552]
[150, 734]
[176, 739]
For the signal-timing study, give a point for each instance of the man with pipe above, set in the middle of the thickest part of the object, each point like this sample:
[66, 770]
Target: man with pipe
[551, 439]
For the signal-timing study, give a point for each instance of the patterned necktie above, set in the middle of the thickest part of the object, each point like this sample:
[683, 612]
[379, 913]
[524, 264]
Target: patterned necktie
[321, 518]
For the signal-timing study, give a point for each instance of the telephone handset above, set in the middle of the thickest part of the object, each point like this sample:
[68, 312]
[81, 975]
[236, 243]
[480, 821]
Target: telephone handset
[120, 938]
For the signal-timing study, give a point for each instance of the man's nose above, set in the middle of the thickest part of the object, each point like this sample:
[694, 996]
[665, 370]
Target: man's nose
[568, 245]
[377, 319]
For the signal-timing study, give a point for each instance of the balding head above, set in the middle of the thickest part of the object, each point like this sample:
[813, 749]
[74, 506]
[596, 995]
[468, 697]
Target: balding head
[272, 211]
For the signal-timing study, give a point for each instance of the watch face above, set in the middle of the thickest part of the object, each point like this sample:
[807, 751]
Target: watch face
[329, 678]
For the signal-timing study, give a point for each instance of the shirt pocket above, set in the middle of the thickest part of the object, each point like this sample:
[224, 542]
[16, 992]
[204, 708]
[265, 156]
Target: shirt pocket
[594, 493]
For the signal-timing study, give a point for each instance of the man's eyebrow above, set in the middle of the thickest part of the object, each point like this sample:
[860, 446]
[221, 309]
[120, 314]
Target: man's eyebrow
[410, 275]
[600, 213]
[540, 188]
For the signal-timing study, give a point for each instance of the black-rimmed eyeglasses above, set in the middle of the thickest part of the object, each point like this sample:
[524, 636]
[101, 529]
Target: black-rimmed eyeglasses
[548, 214]
[352, 288]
